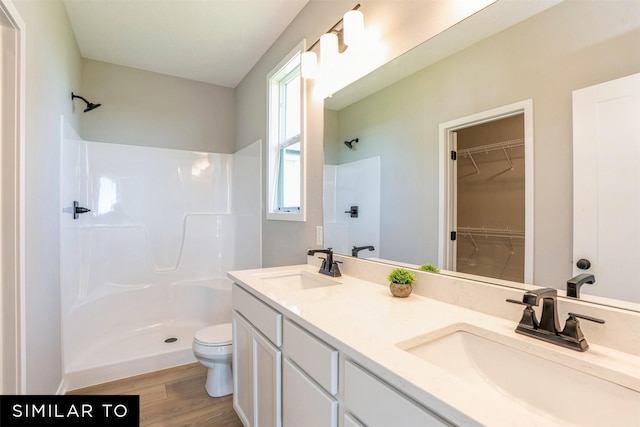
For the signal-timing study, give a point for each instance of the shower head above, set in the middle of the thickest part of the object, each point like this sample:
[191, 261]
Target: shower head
[90, 105]
[350, 143]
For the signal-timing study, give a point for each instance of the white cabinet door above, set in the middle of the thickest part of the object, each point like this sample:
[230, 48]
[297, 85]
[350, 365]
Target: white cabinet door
[267, 382]
[257, 376]
[606, 186]
[243, 370]
[304, 402]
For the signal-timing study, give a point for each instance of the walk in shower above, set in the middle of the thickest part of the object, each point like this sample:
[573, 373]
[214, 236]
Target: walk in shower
[146, 266]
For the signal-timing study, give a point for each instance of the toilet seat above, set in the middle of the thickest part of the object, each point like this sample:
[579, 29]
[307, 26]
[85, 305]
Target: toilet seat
[214, 336]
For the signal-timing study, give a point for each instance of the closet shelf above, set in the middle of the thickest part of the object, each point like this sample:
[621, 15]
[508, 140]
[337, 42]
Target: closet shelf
[505, 233]
[512, 143]
[491, 232]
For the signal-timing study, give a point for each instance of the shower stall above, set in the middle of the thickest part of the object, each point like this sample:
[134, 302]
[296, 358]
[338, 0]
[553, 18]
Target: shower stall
[343, 191]
[146, 249]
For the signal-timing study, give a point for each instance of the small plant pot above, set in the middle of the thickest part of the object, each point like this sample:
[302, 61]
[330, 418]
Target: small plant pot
[400, 290]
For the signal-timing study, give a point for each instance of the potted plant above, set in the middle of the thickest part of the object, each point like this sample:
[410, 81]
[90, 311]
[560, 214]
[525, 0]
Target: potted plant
[430, 267]
[401, 281]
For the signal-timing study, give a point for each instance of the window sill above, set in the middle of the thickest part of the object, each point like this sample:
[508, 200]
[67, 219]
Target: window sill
[286, 216]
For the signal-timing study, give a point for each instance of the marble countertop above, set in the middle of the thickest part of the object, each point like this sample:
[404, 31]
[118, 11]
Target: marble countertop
[366, 322]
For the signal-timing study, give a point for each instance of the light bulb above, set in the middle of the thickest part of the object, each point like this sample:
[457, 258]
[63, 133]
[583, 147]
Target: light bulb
[328, 49]
[353, 27]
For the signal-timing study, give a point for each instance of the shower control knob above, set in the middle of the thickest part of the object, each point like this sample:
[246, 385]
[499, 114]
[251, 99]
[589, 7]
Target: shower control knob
[353, 212]
[583, 264]
[77, 210]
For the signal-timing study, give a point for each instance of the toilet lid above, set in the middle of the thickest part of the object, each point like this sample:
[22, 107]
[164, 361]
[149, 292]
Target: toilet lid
[215, 335]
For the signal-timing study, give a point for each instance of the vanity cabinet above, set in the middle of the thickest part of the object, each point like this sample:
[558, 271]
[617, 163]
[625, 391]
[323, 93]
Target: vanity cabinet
[310, 375]
[377, 404]
[257, 361]
[304, 403]
[285, 376]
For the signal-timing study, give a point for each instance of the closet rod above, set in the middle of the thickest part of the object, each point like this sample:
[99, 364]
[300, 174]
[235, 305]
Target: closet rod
[491, 232]
[512, 143]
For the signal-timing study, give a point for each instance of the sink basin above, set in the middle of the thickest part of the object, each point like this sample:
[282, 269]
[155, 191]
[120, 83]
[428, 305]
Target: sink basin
[297, 279]
[496, 368]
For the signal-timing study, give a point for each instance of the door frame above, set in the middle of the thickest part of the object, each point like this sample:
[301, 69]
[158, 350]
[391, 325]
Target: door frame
[12, 227]
[447, 180]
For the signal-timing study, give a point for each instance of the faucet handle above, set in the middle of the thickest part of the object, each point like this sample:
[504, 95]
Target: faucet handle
[528, 320]
[324, 263]
[572, 329]
[585, 317]
[334, 269]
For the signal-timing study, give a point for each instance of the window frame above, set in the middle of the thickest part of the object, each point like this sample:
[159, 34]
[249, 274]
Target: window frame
[280, 75]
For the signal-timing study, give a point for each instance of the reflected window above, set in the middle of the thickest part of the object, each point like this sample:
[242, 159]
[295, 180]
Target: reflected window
[107, 195]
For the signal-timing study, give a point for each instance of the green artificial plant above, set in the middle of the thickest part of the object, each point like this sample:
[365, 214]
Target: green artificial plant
[430, 267]
[402, 277]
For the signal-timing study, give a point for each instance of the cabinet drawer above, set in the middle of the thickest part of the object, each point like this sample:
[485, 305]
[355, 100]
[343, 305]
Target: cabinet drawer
[262, 317]
[311, 354]
[378, 405]
[304, 403]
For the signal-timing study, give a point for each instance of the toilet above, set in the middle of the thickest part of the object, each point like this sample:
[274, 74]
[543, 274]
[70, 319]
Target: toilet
[212, 347]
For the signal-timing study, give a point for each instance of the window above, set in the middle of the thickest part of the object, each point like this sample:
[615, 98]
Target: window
[286, 139]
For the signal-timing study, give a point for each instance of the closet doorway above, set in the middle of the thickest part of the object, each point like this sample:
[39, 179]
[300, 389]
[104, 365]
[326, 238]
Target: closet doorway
[489, 195]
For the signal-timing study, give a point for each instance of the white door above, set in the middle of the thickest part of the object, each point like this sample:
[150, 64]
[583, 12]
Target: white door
[606, 186]
[12, 87]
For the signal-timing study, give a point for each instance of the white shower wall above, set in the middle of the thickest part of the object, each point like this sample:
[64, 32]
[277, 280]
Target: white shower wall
[343, 188]
[159, 217]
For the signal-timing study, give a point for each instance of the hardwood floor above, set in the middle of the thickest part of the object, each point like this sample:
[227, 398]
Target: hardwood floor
[173, 398]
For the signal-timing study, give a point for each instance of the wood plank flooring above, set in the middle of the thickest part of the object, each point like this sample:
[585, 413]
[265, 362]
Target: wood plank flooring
[173, 397]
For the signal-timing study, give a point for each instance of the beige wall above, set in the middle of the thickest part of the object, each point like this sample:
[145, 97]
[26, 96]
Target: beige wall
[53, 72]
[401, 24]
[144, 108]
[544, 58]
[286, 242]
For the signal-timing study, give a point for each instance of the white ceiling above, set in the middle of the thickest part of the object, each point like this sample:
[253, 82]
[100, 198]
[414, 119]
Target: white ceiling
[213, 41]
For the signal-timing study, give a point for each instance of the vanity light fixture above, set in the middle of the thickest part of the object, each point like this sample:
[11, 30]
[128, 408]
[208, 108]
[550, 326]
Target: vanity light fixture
[348, 31]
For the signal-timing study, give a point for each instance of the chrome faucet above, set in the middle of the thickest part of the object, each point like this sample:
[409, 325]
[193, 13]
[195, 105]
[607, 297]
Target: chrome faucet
[329, 266]
[548, 329]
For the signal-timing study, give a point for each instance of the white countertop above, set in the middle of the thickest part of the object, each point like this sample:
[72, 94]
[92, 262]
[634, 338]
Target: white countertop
[366, 322]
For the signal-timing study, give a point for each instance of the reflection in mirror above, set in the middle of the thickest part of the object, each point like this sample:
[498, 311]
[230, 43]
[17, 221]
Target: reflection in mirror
[397, 166]
[489, 197]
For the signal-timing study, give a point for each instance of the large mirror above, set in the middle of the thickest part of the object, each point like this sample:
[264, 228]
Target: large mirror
[394, 172]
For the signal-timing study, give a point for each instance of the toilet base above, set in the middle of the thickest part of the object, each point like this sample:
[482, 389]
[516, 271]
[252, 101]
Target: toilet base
[219, 380]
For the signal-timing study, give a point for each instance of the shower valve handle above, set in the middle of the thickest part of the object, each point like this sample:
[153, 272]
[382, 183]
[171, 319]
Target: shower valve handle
[353, 212]
[77, 210]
